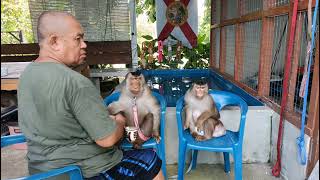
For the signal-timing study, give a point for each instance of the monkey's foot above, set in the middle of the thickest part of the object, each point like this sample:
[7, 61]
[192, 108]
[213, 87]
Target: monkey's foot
[136, 146]
[194, 134]
[157, 138]
[200, 138]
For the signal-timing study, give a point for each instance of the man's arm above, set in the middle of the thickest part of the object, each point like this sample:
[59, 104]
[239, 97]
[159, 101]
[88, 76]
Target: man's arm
[116, 135]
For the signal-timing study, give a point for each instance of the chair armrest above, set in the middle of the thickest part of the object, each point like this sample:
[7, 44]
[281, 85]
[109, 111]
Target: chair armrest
[74, 173]
[12, 139]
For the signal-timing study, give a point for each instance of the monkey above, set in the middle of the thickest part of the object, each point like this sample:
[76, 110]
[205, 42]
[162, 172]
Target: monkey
[202, 116]
[136, 93]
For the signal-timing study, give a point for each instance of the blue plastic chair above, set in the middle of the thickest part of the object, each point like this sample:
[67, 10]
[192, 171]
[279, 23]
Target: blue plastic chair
[74, 172]
[231, 142]
[151, 143]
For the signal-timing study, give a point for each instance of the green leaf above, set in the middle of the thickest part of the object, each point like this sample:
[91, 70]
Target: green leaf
[147, 37]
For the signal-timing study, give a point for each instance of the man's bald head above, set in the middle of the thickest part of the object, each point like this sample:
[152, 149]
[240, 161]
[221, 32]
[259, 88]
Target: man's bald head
[53, 22]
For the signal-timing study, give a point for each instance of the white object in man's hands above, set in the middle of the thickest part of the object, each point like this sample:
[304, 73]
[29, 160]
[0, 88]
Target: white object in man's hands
[132, 133]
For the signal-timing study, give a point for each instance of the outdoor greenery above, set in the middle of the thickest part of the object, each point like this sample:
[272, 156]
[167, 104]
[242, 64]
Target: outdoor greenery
[196, 58]
[15, 16]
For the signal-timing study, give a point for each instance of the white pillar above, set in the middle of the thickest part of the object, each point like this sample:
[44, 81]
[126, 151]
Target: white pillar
[133, 22]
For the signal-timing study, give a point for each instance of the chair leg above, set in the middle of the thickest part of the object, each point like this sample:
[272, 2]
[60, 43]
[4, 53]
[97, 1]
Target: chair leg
[238, 165]
[194, 159]
[226, 162]
[163, 158]
[181, 162]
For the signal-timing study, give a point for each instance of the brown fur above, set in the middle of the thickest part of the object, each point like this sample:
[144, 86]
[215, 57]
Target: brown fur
[147, 104]
[201, 112]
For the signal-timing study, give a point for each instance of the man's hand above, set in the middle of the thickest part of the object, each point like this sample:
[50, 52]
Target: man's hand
[117, 134]
[119, 118]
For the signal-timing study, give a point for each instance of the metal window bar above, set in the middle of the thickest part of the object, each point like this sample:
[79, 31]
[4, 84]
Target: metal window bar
[278, 61]
[218, 11]
[252, 6]
[251, 53]
[230, 49]
[280, 3]
[217, 50]
[232, 9]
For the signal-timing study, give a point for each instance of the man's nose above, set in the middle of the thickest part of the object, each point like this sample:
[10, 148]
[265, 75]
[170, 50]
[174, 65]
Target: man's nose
[83, 45]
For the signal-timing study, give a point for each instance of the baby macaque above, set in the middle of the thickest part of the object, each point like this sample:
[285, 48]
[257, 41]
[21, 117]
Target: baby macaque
[140, 108]
[202, 116]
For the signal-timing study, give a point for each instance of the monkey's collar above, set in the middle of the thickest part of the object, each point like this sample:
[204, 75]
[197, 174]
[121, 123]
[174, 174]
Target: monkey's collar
[134, 101]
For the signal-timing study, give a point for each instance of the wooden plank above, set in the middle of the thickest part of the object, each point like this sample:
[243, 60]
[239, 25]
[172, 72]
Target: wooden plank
[265, 61]
[223, 38]
[18, 58]
[9, 84]
[213, 36]
[276, 11]
[292, 117]
[313, 114]
[212, 49]
[104, 52]
[32, 48]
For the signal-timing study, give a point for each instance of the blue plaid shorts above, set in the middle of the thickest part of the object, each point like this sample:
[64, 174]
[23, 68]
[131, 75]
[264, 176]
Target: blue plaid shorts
[135, 164]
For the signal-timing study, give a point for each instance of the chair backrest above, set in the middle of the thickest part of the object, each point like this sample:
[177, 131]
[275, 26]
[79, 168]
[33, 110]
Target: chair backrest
[163, 104]
[221, 99]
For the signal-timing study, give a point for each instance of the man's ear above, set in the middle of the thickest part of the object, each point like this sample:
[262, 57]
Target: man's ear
[54, 42]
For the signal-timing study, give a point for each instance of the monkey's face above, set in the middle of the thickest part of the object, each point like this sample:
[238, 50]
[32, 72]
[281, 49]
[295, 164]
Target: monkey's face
[200, 90]
[135, 83]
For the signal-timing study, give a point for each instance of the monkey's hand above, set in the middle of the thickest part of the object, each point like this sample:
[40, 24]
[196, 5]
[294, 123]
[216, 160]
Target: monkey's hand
[114, 108]
[186, 125]
[156, 137]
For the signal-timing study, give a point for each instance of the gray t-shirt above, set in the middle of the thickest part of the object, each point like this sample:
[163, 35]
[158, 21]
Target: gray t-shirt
[61, 113]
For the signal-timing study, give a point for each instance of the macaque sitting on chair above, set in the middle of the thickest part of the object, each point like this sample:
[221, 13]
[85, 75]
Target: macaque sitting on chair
[140, 108]
[202, 116]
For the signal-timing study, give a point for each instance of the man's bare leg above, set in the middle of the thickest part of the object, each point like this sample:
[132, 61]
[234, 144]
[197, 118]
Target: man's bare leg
[159, 176]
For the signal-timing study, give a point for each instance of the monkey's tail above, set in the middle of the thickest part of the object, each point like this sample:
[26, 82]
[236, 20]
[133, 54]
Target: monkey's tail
[205, 116]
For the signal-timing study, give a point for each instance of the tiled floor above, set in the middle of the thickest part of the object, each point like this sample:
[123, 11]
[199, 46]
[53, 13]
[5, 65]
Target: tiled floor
[14, 164]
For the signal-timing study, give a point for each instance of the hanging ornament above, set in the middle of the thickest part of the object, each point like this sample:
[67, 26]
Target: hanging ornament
[169, 49]
[142, 54]
[160, 51]
[150, 51]
[179, 49]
